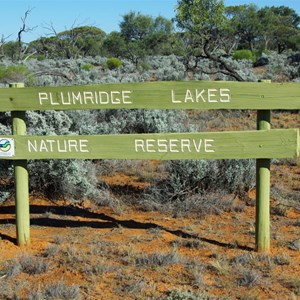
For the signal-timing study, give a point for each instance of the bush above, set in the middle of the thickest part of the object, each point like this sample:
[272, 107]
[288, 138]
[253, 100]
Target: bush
[14, 73]
[75, 179]
[26, 264]
[87, 67]
[6, 170]
[243, 54]
[112, 121]
[113, 63]
[193, 181]
[59, 290]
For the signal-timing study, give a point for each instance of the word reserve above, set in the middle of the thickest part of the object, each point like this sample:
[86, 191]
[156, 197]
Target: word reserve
[174, 145]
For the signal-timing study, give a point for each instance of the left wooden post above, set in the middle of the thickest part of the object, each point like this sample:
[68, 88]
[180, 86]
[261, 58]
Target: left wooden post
[21, 180]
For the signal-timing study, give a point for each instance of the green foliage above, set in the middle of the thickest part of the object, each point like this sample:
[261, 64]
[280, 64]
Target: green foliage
[113, 63]
[14, 73]
[206, 30]
[87, 67]
[245, 23]
[268, 28]
[206, 24]
[140, 35]
[244, 54]
[205, 17]
[79, 41]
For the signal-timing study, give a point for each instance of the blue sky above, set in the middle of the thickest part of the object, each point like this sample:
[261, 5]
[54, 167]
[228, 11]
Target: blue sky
[105, 14]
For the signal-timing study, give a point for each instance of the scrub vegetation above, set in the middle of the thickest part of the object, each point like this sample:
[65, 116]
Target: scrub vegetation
[161, 230]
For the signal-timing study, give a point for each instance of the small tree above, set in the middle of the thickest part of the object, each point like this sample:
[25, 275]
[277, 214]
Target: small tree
[75, 42]
[205, 24]
[244, 20]
[141, 35]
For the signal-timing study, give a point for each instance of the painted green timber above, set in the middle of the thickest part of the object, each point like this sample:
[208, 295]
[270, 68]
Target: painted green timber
[155, 95]
[263, 185]
[280, 143]
[21, 185]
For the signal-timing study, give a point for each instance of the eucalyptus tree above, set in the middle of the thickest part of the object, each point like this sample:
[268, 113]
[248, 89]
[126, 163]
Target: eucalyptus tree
[141, 35]
[72, 43]
[285, 28]
[206, 26]
[246, 25]
[268, 28]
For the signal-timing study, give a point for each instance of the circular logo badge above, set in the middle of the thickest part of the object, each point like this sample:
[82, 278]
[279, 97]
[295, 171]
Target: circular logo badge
[5, 145]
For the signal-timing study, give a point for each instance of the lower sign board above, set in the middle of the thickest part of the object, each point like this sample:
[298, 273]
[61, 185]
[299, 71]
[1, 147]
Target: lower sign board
[280, 143]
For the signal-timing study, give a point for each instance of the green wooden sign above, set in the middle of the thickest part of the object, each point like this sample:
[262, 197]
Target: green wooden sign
[281, 143]
[262, 144]
[154, 95]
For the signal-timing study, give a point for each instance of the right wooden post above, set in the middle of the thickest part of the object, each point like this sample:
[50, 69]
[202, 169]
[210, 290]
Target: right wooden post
[262, 235]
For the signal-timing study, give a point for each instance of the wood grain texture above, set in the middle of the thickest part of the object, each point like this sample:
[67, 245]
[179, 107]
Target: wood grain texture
[155, 95]
[279, 143]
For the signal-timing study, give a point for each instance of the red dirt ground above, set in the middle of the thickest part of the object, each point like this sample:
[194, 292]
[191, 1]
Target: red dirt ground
[220, 239]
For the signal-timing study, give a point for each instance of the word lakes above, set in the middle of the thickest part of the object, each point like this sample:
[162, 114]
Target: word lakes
[203, 95]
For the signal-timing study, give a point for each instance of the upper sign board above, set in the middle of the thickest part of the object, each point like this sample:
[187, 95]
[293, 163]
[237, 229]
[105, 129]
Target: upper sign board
[154, 95]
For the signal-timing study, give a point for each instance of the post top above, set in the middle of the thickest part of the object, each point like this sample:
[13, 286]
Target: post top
[17, 85]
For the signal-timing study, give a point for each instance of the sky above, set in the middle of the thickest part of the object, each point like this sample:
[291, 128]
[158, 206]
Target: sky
[104, 14]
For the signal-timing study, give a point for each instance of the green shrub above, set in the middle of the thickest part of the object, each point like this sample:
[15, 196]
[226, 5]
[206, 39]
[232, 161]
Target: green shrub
[243, 54]
[87, 67]
[13, 73]
[113, 63]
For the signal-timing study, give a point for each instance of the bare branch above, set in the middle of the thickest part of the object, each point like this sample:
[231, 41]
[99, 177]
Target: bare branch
[24, 29]
[50, 27]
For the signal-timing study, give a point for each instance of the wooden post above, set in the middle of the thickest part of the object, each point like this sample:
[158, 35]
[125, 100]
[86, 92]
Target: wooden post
[262, 235]
[21, 181]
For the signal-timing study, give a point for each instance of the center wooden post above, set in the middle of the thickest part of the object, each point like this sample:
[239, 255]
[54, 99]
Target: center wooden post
[262, 235]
